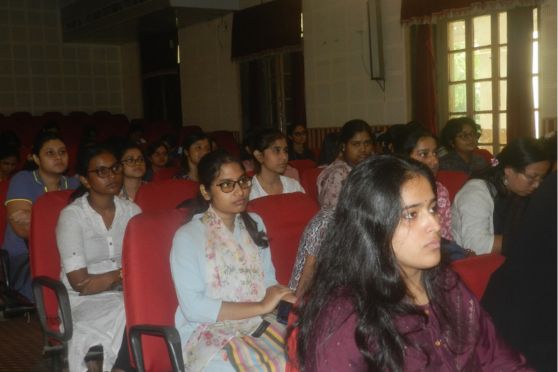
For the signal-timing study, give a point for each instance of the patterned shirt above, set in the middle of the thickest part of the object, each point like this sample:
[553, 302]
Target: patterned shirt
[444, 210]
[330, 182]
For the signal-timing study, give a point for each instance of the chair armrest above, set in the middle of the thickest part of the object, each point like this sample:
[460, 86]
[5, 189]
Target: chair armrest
[65, 313]
[169, 334]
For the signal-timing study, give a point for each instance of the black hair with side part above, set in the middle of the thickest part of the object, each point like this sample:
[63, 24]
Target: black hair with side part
[189, 141]
[263, 140]
[453, 127]
[208, 170]
[353, 127]
[517, 155]
[357, 258]
[43, 138]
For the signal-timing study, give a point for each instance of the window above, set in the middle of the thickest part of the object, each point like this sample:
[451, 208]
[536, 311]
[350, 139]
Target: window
[474, 56]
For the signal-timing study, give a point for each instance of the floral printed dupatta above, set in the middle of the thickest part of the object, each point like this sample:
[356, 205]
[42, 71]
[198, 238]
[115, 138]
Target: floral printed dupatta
[234, 274]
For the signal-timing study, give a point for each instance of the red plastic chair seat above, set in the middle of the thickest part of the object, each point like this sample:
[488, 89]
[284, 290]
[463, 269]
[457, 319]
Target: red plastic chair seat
[476, 271]
[166, 194]
[285, 217]
[452, 180]
[308, 180]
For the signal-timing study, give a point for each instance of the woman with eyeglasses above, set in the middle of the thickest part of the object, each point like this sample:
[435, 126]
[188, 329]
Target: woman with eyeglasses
[222, 270]
[298, 142]
[459, 137]
[50, 160]
[89, 235]
[487, 209]
[134, 169]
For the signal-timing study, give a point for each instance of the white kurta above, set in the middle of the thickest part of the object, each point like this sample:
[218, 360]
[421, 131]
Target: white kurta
[289, 185]
[85, 242]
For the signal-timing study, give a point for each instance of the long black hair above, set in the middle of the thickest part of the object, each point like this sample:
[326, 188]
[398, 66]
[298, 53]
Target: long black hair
[518, 154]
[208, 170]
[357, 256]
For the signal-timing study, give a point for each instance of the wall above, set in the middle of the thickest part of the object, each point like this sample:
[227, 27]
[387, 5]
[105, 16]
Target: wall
[336, 58]
[132, 99]
[210, 81]
[548, 52]
[39, 73]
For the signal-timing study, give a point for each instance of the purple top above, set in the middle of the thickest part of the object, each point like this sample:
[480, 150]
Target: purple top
[333, 347]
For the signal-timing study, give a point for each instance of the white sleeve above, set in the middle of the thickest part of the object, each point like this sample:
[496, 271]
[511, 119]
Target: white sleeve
[472, 217]
[69, 238]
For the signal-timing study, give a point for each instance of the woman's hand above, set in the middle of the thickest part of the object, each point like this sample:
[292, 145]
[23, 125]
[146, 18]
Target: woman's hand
[273, 295]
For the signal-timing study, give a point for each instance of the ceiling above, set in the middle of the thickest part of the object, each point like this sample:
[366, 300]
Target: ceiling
[122, 21]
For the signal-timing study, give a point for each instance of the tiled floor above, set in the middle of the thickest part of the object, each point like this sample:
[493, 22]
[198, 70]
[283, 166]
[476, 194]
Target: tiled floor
[21, 343]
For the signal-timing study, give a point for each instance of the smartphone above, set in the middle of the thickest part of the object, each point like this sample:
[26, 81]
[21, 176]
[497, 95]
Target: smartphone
[283, 310]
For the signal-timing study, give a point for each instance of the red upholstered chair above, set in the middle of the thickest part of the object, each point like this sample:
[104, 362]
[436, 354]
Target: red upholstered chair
[165, 174]
[225, 140]
[452, 180]
[51, 297]
[302, 165]
[149, 293]
[166, 194]
[308, 180]
[487, 155]
[285, 216]
[476, 271]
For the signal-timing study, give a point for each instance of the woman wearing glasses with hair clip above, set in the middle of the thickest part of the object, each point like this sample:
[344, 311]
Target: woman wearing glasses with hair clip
[133, 162]
[487, 209]
[89, 235]
[50, 160]
[222, 271]
[459, 137]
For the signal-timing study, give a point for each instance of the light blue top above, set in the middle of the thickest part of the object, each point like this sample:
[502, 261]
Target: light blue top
[188, 268]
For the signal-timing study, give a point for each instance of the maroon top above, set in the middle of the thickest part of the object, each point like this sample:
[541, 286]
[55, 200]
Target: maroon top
[333, 347]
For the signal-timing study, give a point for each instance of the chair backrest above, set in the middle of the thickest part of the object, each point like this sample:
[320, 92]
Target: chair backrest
[452, 180]
[285, 216]
[226, 141]
[476, 271]
[165, 173]
[43, 251]
[308, 180]
[166, 194]
[149, 293]
[487, 155]
[302, 164]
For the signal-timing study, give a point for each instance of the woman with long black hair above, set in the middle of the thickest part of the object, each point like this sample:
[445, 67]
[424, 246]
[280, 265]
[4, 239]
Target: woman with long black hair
[381, 298]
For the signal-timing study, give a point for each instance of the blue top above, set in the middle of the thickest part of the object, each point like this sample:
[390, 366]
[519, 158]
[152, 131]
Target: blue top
[188, 267]
[28, 186]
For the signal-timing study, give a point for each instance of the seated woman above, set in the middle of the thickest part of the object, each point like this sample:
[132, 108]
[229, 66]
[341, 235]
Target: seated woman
[9, 159]
[50, 160]
[298, 147]
[459, 138]
[356, 143]
[134, 169]
[221, 267]
[89, 235]
[195, 146]
[157, 159]
[489, 206]
[271, 153]
[382, 298]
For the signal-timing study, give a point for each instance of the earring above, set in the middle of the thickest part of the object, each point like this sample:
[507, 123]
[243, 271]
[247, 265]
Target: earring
[506, 182]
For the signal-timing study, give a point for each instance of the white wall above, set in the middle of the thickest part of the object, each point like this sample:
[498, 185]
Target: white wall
[39, 73]
[210, 82]
[548, 59]
[337, 69]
